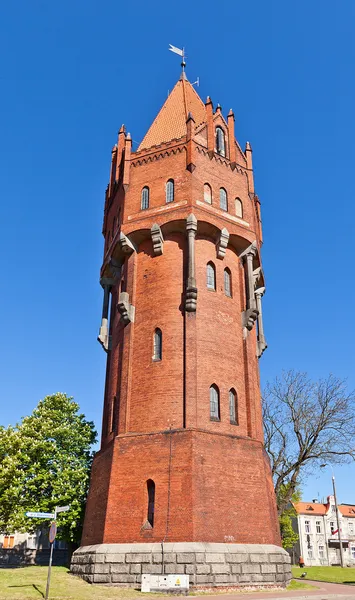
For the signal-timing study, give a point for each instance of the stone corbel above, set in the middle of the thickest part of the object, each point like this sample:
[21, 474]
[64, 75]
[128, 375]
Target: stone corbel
[157, 239]
[222, 243]
[125, 309]
[262, 345]
[257, 274]
[103, 336]
[191, 289]
[249, 317]
[115, 268]
[125, 244]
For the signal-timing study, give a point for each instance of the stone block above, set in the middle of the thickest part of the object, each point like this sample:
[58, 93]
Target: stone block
[138, 558]
[257, 558]
[189, 569]
[236, 568]
[203, 569]
[250, 568]
[151, 569]
[169, 557]
[120, 568]
[257, 578]
[237, 558]
[185, 557]
[280, 568]
[227, 579]
[101, 568]
[88, 578]
[99, 558]
[102, 578]
[269, 577]
[244, 578]
[280, 577]
[276, 558]
[268, 568]
[204, 579]
[200, 557]
[123, 578]
[136, 569]
[220, 568]
[214, 558]
[192, 579]
[91, 568]
[172, 568]
[115, 558]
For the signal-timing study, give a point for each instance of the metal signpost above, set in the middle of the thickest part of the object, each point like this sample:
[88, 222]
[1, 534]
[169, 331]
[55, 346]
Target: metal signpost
[52, 534]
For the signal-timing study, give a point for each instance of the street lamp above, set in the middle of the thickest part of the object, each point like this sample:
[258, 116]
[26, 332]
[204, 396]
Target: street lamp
[337, 515]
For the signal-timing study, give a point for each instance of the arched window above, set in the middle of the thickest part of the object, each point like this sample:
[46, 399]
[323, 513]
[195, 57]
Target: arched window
[169, 191]
[211, 276]
[157, 344]
[227, 283]
[214, 403]
[233, 406]
[238, 208]
[220, 141]
[151, 501]
[223, 203]
[145, 198]
[207, 193]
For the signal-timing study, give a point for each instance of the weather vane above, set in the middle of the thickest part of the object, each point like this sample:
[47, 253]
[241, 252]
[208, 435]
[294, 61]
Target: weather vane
[181, 52]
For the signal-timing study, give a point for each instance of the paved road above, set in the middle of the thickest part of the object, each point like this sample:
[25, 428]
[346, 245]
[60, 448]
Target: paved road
[324, 591]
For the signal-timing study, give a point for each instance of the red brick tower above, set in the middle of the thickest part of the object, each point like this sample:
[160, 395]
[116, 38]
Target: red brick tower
[182, 477]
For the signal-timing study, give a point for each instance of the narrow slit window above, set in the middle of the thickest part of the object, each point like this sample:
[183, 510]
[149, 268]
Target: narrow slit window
[214, 403]
[220, 141]
[151, 501]
[158, 345]
[211, 276]
[207, 193]
[223, 203]
[145, 198]
[233, 407]
[169, 191]
[227, 283]
[238, 208]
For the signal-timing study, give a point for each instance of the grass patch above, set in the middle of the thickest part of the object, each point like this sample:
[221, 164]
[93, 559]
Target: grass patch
[300, 585]
[29, 583]
[329, 574]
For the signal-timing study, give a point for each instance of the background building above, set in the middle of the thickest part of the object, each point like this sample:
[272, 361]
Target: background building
[316, 525]
[182, 483]
[31, 548]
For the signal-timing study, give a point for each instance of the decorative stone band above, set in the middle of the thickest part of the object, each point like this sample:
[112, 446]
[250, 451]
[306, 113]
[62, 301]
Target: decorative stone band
[191, 289]
[125, 309]
[207, 564]
[103, 336]
[157, 239]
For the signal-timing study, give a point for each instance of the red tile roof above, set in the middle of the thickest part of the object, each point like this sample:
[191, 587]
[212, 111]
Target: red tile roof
[170, 123]
[311, 508]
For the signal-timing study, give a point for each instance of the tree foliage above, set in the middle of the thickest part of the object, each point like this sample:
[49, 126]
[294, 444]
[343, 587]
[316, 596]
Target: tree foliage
[45, 462]
[288, 535]
[306, 423]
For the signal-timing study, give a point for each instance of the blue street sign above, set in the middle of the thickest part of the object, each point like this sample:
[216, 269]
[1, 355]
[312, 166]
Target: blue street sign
[40, 515]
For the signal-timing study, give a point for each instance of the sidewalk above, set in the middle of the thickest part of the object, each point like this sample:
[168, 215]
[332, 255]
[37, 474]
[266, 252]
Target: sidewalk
[324, 591]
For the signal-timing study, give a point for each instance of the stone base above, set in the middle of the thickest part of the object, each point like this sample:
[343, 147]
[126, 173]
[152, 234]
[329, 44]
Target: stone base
[207, 564]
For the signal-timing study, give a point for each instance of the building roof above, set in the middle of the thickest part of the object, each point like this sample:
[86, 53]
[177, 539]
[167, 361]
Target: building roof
[170, 123]
[347, 510]
[310, 508]
[315, 508]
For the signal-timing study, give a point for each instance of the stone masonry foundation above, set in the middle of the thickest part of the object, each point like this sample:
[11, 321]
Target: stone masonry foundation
[207, 564]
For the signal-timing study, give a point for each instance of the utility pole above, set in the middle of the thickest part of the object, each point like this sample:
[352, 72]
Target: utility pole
[338, 523]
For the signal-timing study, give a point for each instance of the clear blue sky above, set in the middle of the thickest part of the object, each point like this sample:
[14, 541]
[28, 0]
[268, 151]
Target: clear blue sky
[71, 73]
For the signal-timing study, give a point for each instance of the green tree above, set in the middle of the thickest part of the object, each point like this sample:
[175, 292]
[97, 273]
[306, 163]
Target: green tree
[288, 535]
[45, 462]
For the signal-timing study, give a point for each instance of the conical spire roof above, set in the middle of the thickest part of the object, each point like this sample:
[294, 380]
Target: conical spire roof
[170, 123]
